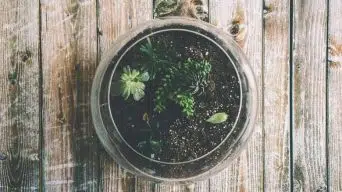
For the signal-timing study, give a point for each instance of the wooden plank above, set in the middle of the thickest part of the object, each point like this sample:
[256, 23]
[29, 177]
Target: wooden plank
[117, 17]
[309, 99]
[243, 20]
[276, 95]
[19, 95]
[69, 48]
[334, 95]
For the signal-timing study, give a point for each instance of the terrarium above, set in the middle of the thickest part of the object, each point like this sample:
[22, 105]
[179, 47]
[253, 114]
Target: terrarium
[174, 100]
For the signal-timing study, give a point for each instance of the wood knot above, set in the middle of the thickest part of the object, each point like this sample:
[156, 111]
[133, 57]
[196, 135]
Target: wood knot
[237, 30]
[234, 29]
[237, 27]
[267, 9]
[335, 53]
[25, 55]
[72, 9]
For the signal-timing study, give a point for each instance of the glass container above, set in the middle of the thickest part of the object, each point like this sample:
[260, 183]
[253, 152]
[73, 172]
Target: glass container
[187, 169]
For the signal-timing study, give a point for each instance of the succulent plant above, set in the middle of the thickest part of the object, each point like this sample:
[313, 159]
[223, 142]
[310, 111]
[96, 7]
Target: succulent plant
[132, 83]
[218, 118]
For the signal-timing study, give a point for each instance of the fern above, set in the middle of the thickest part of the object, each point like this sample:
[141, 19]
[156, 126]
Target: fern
[187, 103]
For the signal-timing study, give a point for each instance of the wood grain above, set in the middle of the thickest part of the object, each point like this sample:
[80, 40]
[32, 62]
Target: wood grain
[276, 95]
[75, 35]
[243, 20]
[143, 185]
[334, 95]
[117, 17]
[69, 48]
[309, 99]
[19, 95]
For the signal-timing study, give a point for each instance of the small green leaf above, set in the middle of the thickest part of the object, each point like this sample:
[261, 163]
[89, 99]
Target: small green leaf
[145, 117]
[138, 94]
[134, 74]
[138, 85]
[218, 118]
[155, 145]
[144, 77]
[125, 91]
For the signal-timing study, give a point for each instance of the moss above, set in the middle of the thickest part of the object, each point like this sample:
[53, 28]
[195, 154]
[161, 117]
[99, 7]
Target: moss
[12, 77]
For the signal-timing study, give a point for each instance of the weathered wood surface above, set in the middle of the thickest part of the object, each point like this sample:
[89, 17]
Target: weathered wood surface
[276, 96]
[334, 95]
[74, 35]
[19, 95]
[115, 18]
[243, 20]
[309, 96]
[69, 51]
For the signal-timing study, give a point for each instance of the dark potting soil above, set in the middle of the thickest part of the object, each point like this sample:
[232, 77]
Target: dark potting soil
[170, 136]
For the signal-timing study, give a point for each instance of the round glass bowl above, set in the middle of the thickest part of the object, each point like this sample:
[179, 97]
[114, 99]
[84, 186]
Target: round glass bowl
[107, 113]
